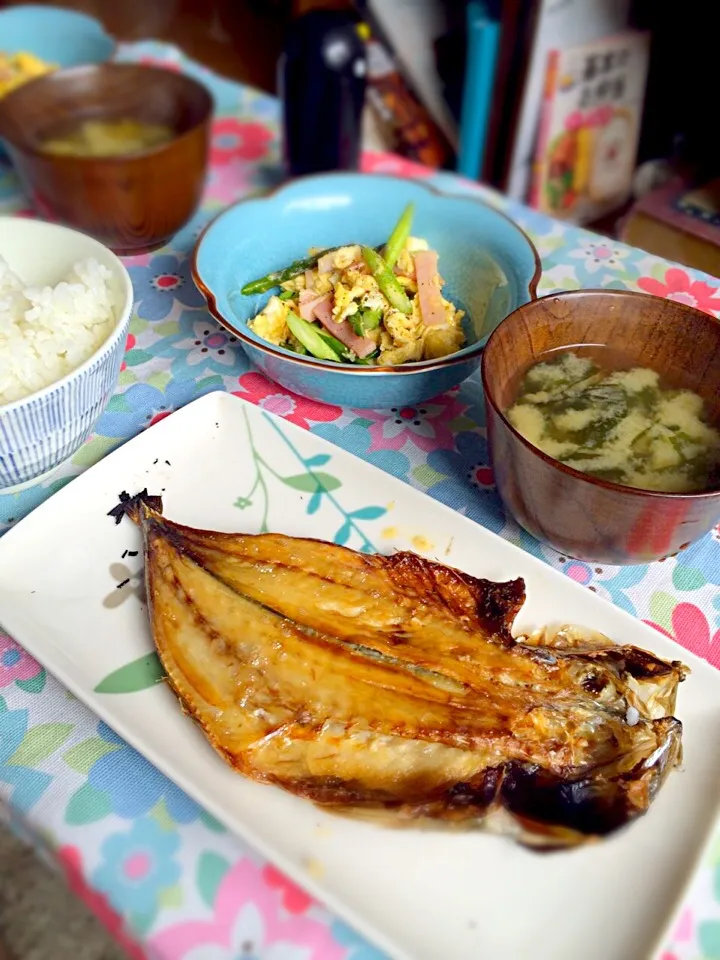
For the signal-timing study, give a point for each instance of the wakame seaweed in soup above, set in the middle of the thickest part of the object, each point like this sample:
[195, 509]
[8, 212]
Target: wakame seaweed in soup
[617, 424]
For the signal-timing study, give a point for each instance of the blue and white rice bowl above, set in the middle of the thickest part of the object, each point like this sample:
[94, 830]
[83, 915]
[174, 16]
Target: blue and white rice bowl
[43, 429]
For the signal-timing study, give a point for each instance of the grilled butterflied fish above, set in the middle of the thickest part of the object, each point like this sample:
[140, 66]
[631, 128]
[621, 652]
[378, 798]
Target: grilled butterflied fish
[390, 687]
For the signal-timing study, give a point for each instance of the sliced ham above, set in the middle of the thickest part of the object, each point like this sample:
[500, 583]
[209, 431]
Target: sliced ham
[343, 332]
[308, 301]
[432, 310]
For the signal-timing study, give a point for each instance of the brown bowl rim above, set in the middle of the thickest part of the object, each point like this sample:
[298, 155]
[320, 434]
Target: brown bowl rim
[111, 161]
[551, 461]
[348, 368]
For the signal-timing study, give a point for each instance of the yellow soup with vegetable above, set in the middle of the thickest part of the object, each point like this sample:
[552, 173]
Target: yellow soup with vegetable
[108, 138]
[617, 424]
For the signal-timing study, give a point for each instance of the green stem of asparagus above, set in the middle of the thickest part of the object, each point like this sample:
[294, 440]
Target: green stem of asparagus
[310, 338]
[398, 238]
[365, 320]
[386, 281]
[277, 277]
[274, 279]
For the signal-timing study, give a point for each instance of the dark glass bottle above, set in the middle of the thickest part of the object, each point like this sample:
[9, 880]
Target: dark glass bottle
[322, 85]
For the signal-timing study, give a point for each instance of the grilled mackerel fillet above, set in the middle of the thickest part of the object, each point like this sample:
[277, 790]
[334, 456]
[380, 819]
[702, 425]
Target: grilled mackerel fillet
[390, 687]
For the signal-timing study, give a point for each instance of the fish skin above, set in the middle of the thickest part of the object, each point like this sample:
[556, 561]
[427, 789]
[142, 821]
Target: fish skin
[391, 688]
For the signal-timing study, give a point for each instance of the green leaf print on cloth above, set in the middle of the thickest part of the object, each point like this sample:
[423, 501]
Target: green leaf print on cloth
[21, 748]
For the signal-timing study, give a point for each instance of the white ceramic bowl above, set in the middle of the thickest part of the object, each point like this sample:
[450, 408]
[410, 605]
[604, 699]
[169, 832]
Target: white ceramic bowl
[39, 432]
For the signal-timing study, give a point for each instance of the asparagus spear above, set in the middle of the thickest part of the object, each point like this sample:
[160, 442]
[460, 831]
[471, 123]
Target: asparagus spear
[344, 353]
[307, 334]
[386, 281]
[399, 236]
[270, 280]
[364, 320]
[274, 279]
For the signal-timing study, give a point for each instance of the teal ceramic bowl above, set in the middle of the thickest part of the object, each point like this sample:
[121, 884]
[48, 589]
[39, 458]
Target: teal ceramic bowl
[64, 37]
[489, 265]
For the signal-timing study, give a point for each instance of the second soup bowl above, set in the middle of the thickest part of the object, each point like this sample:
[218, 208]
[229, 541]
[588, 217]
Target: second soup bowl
[134, 202]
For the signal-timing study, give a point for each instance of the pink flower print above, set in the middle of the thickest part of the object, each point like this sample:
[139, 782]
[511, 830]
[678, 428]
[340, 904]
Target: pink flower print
[227, 182]
[372, 162]
[579, 572]
[427, 425]
[681, 288]
[234, 139]
[275, 399]
[691, 629]
[138, 260]
[600, 254]
[684, 928]
[247, 921]
[294, 899]
[129, 345]
[15, 663]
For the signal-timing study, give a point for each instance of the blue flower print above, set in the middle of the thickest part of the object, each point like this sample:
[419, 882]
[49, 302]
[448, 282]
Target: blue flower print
[468, 485]
[140, 405]
[472, 397]
[158, 285]
[356, 439]
[359, 949]
[134, 786]
[702, 559]
[26, 785]
[200, 345]
[137, 864]
[185, 239]
[621, 580]
[611, 583]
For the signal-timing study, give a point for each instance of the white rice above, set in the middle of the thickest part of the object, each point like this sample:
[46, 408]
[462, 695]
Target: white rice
[46, 332]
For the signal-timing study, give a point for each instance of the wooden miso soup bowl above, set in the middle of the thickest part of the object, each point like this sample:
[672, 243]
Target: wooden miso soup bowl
[132, 203]
[579, 515]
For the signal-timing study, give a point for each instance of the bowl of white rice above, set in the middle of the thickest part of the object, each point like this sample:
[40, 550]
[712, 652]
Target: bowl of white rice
[65, 305]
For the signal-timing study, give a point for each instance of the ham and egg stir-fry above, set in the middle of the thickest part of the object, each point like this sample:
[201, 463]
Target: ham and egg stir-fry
[359, 305]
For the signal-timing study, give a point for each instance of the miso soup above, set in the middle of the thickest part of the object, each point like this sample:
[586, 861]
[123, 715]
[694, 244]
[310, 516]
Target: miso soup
[107, 138]
[617, 422]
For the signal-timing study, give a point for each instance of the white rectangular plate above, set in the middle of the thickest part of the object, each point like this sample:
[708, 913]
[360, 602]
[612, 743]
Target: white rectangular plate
[223, 464]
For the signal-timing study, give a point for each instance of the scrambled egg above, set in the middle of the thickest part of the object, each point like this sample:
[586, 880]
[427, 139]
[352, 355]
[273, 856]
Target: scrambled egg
[18, 68]
[400, 337]
[271, 323]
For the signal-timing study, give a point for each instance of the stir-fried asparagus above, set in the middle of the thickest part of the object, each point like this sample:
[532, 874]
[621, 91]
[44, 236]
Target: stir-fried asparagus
[387, 281]
[274, 279]
[398, 238]
[309, 336]
[361, 310]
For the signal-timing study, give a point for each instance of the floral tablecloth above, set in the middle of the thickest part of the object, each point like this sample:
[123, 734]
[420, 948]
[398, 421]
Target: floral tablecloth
[164, 876]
